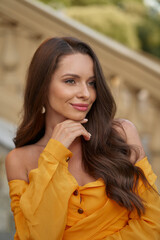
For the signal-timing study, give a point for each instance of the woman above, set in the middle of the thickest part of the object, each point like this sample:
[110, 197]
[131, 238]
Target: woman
[76, 172]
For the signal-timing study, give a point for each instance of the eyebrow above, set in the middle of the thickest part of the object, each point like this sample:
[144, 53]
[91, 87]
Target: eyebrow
[75, 75]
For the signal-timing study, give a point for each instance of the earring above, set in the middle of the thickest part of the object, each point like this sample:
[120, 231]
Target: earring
[43, 110]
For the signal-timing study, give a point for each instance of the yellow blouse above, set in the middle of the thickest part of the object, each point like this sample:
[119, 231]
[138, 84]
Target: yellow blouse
[53, 207]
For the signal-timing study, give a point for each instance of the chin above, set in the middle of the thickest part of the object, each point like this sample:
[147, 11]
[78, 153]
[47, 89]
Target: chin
[78, 118]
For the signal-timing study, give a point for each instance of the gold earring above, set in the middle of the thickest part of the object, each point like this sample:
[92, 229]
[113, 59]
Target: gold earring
[43, 110]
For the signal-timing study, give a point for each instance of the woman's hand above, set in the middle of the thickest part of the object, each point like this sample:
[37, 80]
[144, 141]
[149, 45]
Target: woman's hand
[66, 131]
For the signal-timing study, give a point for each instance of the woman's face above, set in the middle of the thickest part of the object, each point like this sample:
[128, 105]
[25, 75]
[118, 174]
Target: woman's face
[72, 88]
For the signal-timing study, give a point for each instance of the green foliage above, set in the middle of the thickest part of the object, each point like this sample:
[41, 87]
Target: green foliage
[110, 20]
[88, 2]
[100, 2]
[58, 3]
[127, 21]
[149, 33]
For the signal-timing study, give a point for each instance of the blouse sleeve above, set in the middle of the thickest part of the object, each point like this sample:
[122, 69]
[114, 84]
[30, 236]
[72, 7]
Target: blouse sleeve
[148, 226]
[40, 206]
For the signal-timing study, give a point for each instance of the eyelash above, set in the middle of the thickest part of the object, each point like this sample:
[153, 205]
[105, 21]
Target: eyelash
[72, 81]
[93, 83]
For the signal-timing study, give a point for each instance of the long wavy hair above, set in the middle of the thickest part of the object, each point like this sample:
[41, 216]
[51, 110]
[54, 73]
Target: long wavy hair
[107, 154]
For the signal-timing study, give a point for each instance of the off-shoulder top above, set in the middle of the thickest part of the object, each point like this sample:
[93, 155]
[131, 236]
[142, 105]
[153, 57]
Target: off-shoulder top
[52, 206]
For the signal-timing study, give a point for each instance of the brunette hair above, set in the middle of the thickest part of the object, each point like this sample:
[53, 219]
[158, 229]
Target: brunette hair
[107, 154]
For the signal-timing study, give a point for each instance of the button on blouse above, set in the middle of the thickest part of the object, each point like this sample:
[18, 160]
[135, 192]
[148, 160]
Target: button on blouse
[75, 193]
[85, 200]
[80, 211]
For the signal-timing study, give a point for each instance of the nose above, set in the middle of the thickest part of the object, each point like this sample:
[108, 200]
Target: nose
[83, 91]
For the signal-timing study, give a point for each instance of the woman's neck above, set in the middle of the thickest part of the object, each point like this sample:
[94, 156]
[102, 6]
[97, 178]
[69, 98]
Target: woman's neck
[50, 123]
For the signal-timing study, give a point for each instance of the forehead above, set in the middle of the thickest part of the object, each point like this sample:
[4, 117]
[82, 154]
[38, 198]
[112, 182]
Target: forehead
[77, 62]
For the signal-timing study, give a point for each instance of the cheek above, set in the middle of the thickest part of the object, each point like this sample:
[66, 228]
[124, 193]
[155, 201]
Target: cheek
[55, 91]
[60, 94]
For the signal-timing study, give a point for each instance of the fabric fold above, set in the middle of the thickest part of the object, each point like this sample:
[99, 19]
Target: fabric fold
[42, 198]
[42, 208]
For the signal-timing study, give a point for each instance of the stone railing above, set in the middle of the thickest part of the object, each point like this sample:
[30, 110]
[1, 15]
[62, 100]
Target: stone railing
[134, 79]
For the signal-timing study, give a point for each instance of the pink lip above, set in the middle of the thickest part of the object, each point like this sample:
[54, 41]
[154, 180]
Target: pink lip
[80, 106]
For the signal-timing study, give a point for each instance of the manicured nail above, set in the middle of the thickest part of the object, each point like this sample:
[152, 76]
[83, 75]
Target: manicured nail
[85, 119]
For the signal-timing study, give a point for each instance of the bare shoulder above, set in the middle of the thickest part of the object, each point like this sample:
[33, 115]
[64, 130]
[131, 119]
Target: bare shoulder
[129, 131]
[19, 161]
[15, 167]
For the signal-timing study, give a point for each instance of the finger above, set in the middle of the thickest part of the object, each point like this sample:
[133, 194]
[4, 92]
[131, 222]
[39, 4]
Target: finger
[88, 137]
[77, 126]
[84, 120]
[74, 121]
[69, 122]
[83, 132]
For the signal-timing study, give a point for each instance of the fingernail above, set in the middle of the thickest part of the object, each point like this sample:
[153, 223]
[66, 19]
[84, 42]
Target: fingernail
[85, 119]
[89, 135]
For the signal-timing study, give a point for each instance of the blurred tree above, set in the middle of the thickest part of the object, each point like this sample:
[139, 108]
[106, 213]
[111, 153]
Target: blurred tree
[130, 22]
[58, 3]
[149, 34]
[100, 2]
[88, 2]
[109, 20]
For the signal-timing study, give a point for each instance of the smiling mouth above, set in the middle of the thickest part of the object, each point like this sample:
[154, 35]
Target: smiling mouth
[80, 107]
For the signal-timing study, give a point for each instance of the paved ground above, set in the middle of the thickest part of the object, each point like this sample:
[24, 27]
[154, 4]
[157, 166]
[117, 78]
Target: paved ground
[6, 236]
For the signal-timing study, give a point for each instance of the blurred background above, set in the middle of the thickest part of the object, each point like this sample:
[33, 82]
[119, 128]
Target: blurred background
[125, 34]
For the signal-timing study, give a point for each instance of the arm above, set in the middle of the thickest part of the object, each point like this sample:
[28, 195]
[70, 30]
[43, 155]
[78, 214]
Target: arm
[44, 201]
[148, 226]
[40, 207]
